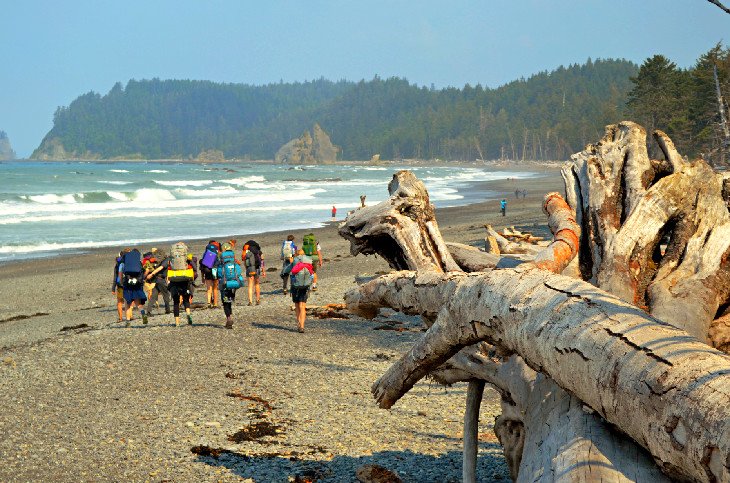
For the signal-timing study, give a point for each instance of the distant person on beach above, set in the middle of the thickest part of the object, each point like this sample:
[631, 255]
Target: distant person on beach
[362, 201]
[503, 207]
[524, 194]
[334, 212]
[312, 249]
[301, 272]
[117, 286]
[208, 264]
[180, 275]
[132, 276]
[253, 261]
[230, 279]
[159, 277]
[517, 194]
[288, 250]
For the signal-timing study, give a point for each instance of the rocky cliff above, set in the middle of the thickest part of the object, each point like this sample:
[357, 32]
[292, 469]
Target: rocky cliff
[309, 148]
[6, 151]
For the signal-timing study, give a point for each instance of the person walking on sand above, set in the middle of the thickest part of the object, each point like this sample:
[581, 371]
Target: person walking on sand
[132, 276]
[503, 207]
[208, 264]
[229, 280]
[301, 272]
[312, 249]
[253, 261]
[288, 250]
[334, 213]
[118, 287]
[159, 277]
[362, 201]
[180, 274]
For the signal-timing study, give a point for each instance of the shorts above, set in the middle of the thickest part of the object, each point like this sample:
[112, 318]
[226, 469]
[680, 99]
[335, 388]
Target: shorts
[255, 274]
[132, 294]
[299, 294]
[120, 295]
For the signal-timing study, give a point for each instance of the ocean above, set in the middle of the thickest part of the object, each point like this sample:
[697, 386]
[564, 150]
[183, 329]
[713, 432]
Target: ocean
[51, 208]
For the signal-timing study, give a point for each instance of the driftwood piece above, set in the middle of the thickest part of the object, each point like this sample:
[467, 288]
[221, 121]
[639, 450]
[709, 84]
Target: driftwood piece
[509, 246]
[628, 205]
[405, 223]
[666, 390]
[593, 454]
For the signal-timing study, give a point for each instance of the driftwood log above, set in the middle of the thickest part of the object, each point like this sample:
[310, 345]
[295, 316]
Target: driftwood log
[584, 447]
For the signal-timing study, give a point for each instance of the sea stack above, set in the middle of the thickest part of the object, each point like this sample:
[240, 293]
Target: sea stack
[309, 148]
[6, 151]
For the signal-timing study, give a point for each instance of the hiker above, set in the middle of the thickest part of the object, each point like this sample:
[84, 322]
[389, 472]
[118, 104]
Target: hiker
[230, 279]
[362, 201]
[524, 194]
[253, 261]
[149, 262]
[312, 249]
[334, 213]
[180, 275]
[301, 272]
[503, 207]
[117, 287]
[132, 276]
[288, 250]
[208, 264]
[517, 193]
[158, 276]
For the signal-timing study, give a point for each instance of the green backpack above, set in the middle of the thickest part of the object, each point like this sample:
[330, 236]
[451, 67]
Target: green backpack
[309, 245]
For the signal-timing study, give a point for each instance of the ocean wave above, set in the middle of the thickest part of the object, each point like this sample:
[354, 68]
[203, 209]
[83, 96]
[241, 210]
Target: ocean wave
[202, 182]
[51, 198]
[213, 192]
[152, 202]
[119, 171]
[120, 183]
[156, 171]
[244, 180]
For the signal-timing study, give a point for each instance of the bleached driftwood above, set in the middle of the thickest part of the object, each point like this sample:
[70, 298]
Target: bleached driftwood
[665, 389]
[589, 442]
[627, 205]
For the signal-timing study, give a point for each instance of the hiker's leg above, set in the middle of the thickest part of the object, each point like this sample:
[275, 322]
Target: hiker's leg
[165, 291]
[301, 314]
[258, 290]
[250, 290]
[215, 293]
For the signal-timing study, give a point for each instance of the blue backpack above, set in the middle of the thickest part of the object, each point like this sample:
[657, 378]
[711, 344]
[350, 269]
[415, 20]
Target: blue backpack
[230, 274]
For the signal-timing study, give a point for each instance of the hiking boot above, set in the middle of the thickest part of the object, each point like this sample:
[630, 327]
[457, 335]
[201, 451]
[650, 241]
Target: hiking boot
[127, 323]
[144, 319]
[314, 287]
[285, 291]
[258, 302]
[250, 304]
[229, 322]
[190, 319]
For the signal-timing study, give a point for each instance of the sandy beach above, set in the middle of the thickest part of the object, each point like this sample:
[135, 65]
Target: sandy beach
[261, 402]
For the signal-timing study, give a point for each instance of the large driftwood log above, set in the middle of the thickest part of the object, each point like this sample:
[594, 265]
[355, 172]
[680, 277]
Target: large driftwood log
[666, 390]
[629, 206]
[591, 444]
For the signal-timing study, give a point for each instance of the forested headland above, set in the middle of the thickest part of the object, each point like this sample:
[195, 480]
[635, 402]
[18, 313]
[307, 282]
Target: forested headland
[547, 116]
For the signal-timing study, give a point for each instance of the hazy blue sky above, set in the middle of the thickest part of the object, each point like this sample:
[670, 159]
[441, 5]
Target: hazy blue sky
[53, 51]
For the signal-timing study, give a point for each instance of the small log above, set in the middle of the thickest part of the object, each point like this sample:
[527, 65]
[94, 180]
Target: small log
[491, 245]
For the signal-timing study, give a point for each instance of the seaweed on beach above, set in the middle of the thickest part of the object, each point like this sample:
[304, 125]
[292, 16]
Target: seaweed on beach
[255, 431]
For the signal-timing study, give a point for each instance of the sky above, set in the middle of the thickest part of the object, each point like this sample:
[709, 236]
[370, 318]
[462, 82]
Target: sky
[51, 51]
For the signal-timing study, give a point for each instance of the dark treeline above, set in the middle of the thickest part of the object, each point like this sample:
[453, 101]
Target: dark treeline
[683, 102]
[547, 116]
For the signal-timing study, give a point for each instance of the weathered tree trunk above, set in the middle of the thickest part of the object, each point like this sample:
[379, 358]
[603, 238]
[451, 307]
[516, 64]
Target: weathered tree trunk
[516, 381]
[663, 388]
[628, 205]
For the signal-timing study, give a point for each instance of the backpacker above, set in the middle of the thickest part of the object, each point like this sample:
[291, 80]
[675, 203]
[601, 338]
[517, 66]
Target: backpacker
[132, 269]
[287, 249]
[179, 269]
[229, 271]
[255, 248]
[309, 245]
[210, 257]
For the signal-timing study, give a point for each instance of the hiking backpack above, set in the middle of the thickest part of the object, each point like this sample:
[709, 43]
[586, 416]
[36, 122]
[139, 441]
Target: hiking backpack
[309, 245]
[210, 257]
[230, 272]
[132, 269]
[301, 279]
[254, 248]
[287, 250]
[179, 269]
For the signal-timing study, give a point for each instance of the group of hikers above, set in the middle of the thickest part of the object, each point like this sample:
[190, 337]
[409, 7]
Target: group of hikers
[142, 277]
